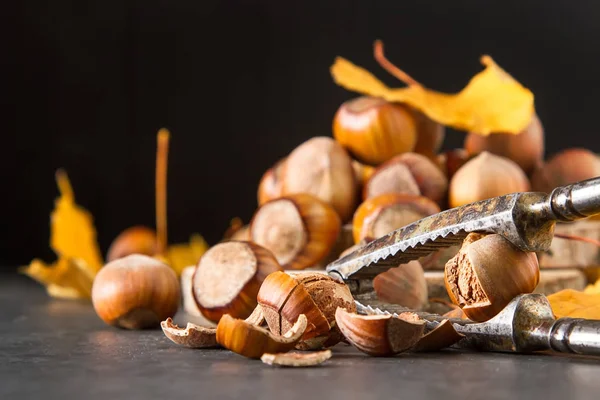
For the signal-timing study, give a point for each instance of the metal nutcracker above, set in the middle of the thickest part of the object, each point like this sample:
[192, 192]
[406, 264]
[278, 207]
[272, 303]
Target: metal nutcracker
[525, 219]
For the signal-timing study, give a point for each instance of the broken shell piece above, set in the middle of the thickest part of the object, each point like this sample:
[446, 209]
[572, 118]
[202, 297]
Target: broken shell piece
[379, 335]
[442, 336]
[193, 336]
[252, 341]
[297, 359]
[284, 297]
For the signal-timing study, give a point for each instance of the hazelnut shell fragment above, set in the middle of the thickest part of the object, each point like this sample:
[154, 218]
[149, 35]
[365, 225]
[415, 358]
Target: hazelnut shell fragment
[284, 297]
[193, 336]
[442, 336]
[379, 335]
[252, 341]
[296, 359]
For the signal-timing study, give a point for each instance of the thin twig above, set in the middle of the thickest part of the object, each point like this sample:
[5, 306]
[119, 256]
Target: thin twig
[391, 68]
[162, 152]
[577, 238]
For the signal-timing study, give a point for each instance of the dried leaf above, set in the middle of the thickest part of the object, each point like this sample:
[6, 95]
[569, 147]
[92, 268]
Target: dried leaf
[72, 231]
[183, 255]
[66, 278]
[493, 101]
[73, 239]
[593, 288]
[575, 304]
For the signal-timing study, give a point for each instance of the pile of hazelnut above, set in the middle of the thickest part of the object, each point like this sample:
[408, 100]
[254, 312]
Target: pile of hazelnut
[383, 169]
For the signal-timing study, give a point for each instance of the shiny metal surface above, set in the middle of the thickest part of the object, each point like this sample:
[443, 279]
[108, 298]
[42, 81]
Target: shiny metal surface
[526, 219]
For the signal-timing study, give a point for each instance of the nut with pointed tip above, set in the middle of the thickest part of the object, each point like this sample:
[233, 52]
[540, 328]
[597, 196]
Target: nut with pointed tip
[487, 274]
[484, 177]
[299, 229]
[135, 240]
[408, 173]
[374, 130]
[566, 167]
[404, 285]
[378, 216]
[252, 341]
[296, 359]
[525, 148]
[135, 292]
[193, 336]
[270, 184]
[283, 297]
[228, 277]
[380, 335]
[322, 168]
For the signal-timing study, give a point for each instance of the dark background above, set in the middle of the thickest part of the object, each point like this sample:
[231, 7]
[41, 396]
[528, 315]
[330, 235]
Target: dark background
[87, 84]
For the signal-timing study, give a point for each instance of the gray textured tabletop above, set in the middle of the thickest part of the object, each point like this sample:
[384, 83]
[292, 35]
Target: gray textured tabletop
[55, 349]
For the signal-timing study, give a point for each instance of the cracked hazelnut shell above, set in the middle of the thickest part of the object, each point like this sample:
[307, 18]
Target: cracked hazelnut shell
[487, 274]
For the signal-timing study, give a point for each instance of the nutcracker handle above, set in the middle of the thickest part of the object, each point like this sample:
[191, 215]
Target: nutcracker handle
[576, 201]
[575, 335]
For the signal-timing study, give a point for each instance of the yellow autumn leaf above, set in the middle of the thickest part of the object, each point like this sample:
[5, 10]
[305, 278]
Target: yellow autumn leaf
[183, 255]
[593, 288]
[72, 231]
[73, 239]
[493, 101]
[65, 278]
[575, 304]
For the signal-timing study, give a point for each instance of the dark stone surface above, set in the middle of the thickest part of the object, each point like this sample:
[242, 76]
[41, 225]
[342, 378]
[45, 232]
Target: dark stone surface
[55, 349]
